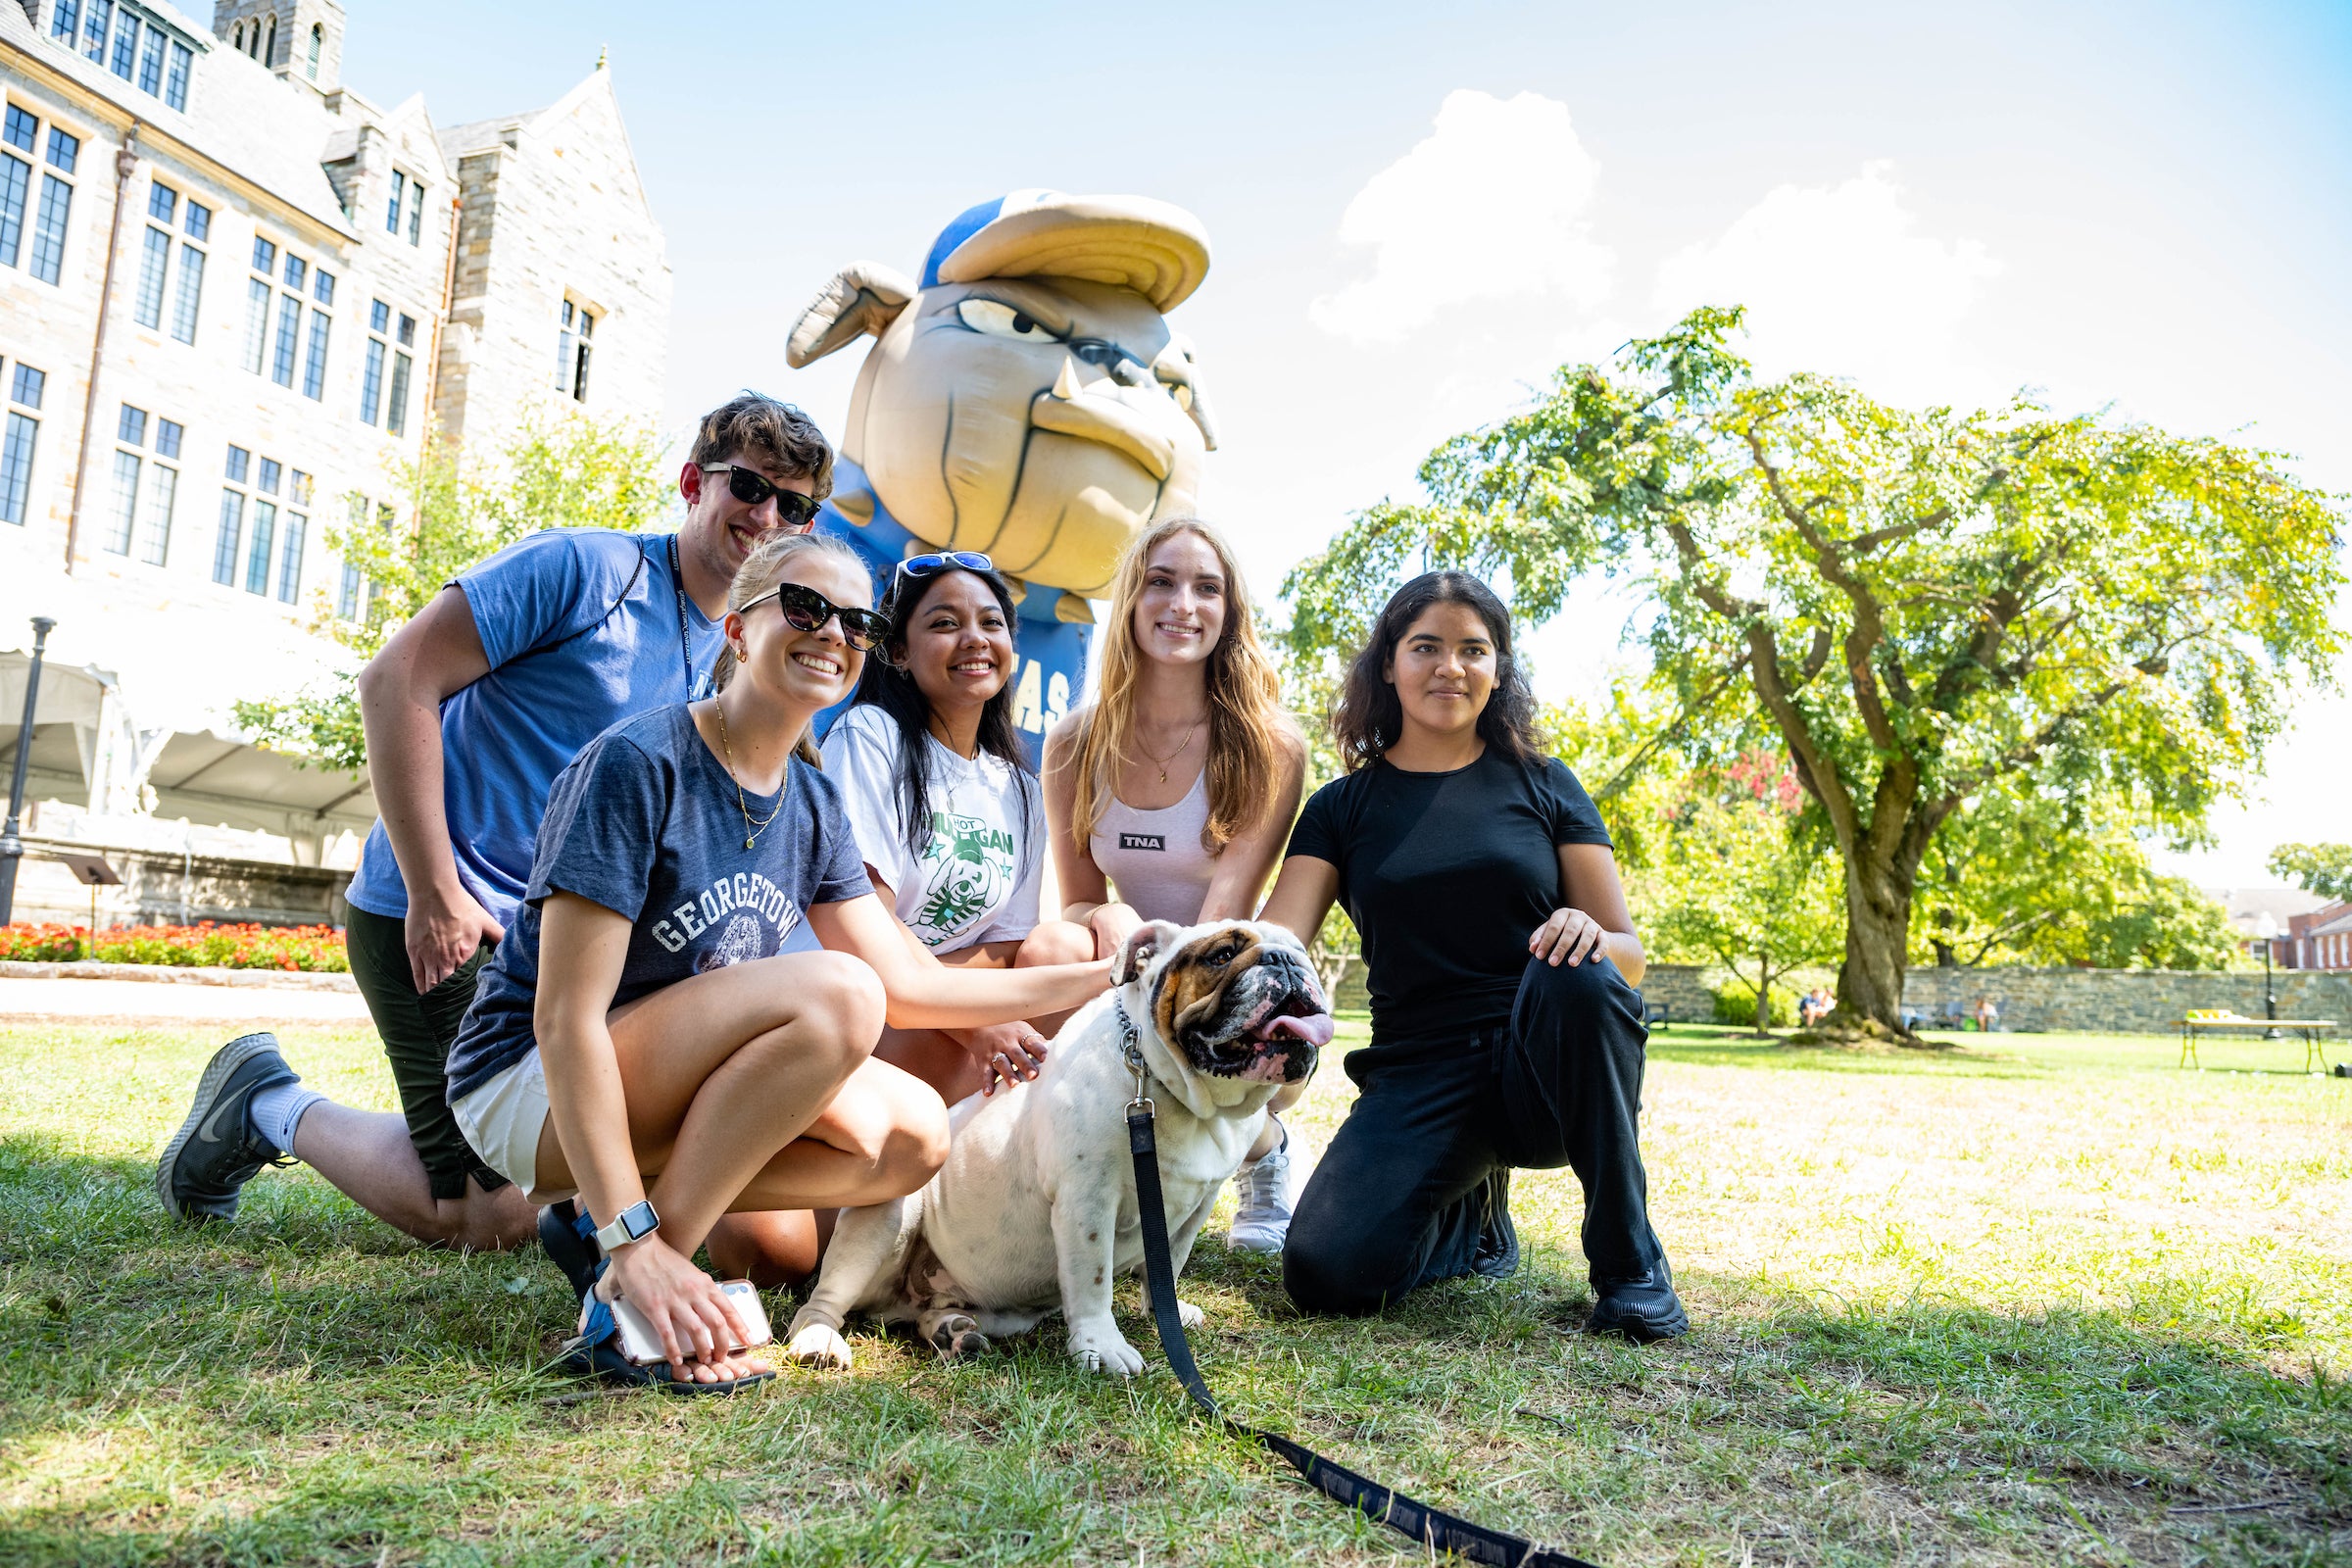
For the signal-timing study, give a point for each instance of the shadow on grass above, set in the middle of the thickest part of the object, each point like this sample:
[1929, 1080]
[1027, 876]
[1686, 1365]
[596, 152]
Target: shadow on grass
[311, 1388]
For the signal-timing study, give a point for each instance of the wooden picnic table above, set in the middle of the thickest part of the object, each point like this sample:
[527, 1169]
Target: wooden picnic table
[2308, 1029]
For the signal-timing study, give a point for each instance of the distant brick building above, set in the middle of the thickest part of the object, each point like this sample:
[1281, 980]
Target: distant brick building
[2319, 940]
[233, 297]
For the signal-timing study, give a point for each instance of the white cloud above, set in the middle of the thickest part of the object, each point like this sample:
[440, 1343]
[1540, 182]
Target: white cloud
[1490, 205]
[1840, 281]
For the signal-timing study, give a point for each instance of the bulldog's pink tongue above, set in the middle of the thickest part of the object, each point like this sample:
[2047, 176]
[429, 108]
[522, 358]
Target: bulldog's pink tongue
[1316, 1029]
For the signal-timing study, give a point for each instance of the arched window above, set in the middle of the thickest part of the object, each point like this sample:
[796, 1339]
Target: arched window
[270, 43]
[317, 42]
[236, 38]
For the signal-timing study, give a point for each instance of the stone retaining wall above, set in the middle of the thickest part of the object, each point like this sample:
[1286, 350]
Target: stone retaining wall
[2088, 1000]
[163, 887]
[2124, 1000]
[1688, 990]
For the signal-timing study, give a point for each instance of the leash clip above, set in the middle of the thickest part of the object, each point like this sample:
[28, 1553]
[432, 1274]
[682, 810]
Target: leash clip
[1131, 1049]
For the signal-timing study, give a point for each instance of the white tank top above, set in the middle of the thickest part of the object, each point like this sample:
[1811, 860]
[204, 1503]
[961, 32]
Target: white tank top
[1153, 859]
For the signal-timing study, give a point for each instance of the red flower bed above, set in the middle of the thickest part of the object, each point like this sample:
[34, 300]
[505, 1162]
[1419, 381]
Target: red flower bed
[228, 946]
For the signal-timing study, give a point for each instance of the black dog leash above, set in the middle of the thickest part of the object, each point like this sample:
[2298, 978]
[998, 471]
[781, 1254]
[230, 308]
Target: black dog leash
[1432, 1528]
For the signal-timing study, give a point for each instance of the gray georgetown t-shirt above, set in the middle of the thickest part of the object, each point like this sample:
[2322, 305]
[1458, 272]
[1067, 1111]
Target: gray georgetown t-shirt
[645, 821]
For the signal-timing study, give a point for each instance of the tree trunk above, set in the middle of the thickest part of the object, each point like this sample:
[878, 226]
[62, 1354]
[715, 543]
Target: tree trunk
[1946, 956]
[1878, 929]
[1763, 994]
[1331, 969]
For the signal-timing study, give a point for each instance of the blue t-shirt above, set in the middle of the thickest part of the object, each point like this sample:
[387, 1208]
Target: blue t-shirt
[581, 627]
[646, 823]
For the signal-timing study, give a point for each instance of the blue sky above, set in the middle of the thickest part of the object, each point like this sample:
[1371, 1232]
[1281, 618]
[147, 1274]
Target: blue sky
[1416, 213]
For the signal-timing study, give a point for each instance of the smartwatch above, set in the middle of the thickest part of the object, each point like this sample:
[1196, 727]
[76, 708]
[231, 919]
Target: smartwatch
[635, 1224]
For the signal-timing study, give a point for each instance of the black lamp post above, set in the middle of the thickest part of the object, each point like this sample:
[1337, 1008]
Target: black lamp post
[2267, 930]
[12, 848]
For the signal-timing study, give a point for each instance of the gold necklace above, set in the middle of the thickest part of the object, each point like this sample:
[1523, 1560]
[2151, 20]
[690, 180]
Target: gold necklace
[751, 830]
[1161, 763]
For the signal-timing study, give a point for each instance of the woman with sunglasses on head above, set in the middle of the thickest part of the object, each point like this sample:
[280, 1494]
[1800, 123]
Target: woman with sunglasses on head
[1170, 790]
[681, 1021]
[947, 809]
[951, 827]
[1505, 1028]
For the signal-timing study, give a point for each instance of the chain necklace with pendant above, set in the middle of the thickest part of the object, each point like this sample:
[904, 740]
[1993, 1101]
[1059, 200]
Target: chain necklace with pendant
[751, 830]
[1161, 763]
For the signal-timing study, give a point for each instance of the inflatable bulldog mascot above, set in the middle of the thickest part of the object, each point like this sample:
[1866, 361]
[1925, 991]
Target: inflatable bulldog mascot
[1024, 398]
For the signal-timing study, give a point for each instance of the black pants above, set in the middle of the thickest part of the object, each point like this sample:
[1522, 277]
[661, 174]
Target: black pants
[1416, 1174]
[418, 1032]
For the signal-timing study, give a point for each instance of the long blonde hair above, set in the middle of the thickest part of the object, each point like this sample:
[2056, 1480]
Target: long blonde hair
[761, 574]
[1245, 699]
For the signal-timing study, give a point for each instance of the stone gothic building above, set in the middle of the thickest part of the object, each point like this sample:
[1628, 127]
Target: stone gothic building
[234, 295]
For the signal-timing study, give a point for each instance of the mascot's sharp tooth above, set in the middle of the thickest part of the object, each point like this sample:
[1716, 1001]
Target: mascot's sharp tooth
[1065, 385]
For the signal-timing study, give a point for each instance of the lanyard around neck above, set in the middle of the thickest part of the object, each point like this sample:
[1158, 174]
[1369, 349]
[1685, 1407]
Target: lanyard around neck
[677, 585]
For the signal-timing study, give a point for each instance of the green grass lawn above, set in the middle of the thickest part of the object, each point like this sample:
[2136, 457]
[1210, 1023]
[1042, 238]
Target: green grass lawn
[2038, 1299]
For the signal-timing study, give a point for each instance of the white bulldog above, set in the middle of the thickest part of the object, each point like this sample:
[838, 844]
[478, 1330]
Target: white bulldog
[1035, 1207]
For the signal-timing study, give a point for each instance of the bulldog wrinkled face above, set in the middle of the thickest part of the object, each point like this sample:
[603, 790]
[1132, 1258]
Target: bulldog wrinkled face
[1044, 420]
[1241, 1001]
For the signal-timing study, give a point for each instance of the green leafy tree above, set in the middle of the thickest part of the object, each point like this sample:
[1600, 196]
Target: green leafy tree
[2055, 877]
[2321, 868]
[572, 473]
[2146, 921]
[1740, 878]
[1915, 605]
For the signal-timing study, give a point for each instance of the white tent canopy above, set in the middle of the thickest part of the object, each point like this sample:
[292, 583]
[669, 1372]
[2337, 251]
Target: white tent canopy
[89, 751]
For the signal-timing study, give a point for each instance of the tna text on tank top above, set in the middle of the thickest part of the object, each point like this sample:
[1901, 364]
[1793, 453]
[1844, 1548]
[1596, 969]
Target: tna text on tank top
[1153, 859]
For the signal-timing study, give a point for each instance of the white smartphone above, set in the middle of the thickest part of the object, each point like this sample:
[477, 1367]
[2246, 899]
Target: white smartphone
[643, 1346]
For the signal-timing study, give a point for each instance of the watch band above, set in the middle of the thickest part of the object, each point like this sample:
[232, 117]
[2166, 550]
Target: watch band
[635, 1223]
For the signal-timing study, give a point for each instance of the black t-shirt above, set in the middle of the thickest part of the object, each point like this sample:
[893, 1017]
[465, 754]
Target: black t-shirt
[1447, 875]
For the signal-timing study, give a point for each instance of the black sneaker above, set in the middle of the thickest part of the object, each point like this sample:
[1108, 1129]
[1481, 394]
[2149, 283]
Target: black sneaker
[215, 1150]
[1639, 1307]
[1497, 1256]
[569, 1244]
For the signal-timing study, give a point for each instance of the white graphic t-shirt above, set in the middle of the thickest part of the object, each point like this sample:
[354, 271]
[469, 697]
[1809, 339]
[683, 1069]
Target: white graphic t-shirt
[976, 877]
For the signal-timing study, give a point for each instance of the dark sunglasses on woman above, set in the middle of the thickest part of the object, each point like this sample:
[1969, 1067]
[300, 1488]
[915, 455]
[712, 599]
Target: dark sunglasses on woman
[793, 509]
[806, 610]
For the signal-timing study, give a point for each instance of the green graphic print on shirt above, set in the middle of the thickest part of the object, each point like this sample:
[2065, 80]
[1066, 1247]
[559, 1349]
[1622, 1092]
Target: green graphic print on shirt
[968, 871]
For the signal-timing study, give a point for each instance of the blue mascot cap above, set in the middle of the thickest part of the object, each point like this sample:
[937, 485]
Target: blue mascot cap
[1151, 247]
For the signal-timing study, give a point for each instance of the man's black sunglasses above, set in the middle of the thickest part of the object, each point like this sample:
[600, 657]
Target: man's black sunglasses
[793, 509]
[806, 610]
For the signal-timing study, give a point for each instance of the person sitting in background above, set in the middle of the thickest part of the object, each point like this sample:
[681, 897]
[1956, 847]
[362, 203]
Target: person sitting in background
[1177, 782]
[951, 824]
[1986, 1015]
[472, 709]
[681, 1021]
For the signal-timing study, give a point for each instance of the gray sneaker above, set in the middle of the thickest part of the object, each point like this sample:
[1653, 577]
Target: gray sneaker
[1263, 1219]
[217, 1151]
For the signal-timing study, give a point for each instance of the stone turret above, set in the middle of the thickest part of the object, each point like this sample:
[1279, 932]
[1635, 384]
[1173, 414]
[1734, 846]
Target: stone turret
[300, 41]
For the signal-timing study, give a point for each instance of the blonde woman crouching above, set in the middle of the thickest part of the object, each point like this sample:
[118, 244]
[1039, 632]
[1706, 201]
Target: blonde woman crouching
[681, 1023]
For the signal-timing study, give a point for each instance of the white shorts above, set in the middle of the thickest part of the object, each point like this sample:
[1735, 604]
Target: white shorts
[502, 1119]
